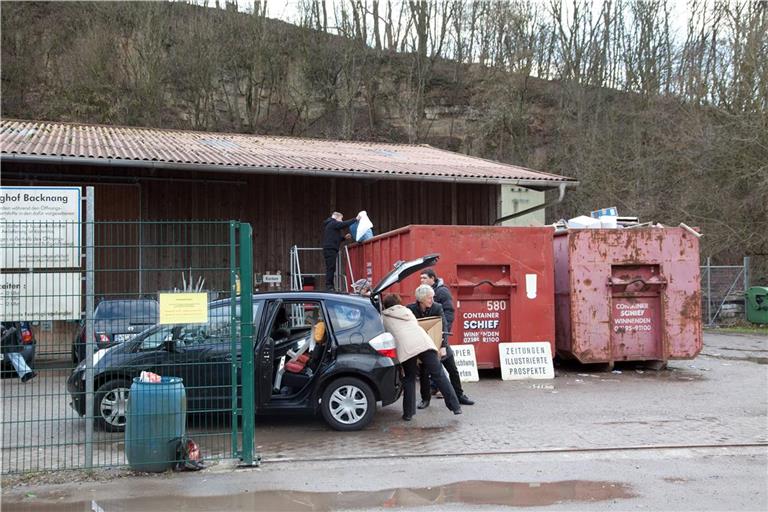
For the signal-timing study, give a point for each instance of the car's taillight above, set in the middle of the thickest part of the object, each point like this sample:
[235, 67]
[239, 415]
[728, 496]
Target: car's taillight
[102, 337]
[384, 344]
[26, 336]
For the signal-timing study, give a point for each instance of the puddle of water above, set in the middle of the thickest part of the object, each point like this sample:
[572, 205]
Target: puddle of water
[426, 432]
[471, 492]
[671, 375]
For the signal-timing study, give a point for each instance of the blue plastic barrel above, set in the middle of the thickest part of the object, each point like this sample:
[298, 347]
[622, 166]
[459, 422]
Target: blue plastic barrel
[155, 420]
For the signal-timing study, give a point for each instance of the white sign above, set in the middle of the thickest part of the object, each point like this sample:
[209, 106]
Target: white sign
[529, 360]
[466, 362]
[40, 296]
[272, 278]
[530, 286]
[40, 227]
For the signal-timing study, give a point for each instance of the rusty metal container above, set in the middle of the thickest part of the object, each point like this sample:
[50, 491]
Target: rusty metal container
[501, 279]
[627, 294]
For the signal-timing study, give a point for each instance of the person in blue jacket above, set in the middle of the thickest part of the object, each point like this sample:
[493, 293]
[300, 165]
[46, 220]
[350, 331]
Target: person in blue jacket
[333, 235]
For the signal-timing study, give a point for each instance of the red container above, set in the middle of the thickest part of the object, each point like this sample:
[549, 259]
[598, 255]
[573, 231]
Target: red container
[627, 294]
[485, 268]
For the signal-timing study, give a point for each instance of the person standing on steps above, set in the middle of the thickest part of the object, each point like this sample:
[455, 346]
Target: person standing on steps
[443, 297]
[333, 235]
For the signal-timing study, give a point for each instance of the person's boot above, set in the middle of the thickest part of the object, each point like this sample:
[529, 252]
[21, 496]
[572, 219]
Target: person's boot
[465, 400]
[423, 404]
[28, 376]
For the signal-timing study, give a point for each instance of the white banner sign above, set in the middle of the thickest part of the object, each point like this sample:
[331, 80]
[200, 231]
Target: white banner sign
[528, 360]
[40, 296]
[40, 227]
[466, 362]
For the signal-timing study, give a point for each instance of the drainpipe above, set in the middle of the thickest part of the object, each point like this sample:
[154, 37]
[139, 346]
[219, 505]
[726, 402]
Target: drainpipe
[561, 187]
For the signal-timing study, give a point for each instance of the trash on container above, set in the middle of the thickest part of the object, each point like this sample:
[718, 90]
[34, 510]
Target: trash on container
[603, 212]
[149, 377]
[582, 221]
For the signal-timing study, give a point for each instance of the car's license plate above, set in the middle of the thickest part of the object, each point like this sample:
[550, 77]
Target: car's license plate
[122, 337]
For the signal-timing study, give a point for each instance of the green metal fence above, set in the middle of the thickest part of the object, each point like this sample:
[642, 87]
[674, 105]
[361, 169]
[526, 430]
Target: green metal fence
[89, 293]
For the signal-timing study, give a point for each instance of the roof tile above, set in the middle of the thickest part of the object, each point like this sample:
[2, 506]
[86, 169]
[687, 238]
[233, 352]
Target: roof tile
[37, 138]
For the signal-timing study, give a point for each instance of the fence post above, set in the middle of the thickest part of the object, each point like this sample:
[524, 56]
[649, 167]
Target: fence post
[709, 291]
[89, 328]
[233, 318]
[246, 342]
[746, 273]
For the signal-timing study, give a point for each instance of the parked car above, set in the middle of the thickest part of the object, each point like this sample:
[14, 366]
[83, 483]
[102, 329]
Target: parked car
[314, 352]
[116, 321]
[17, 337]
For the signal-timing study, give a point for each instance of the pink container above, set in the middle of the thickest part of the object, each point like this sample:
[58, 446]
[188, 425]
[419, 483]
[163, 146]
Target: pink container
[627, 295]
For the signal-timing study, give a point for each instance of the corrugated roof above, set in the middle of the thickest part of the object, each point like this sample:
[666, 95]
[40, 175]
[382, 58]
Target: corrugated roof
[42, 141]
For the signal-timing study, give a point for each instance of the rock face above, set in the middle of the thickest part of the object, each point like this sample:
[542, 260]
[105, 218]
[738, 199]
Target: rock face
[174, 65]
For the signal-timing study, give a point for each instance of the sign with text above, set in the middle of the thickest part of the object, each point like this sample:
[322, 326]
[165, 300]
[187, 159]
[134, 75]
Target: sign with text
[526, 360]
[466, 362]
[40, 296]
[40, 227]
[184, 308]
[629, 316]
[483, 321]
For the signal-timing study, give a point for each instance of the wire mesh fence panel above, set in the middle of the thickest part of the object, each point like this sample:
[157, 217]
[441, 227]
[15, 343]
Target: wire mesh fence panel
[723, 288]
[162, 304]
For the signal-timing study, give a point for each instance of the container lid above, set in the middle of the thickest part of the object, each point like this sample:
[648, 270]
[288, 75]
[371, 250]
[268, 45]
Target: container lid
[163, 380]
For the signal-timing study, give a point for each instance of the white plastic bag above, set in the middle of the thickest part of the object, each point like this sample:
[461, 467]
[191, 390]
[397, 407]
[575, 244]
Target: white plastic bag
[363, 226]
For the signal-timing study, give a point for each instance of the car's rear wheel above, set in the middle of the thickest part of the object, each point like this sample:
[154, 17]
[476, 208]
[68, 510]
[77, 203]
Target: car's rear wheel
[348, 404]
[111, 405]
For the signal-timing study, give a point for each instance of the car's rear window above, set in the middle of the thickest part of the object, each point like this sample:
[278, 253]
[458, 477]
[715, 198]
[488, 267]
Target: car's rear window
[142, 310]
[345, 316]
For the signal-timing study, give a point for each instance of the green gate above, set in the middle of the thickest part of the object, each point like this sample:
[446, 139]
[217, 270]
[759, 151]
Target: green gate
[96, 325]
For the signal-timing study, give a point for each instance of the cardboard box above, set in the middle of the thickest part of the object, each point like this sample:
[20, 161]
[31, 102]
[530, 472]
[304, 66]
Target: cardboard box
[433, 325]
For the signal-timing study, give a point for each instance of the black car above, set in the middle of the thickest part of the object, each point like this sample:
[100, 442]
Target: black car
[116, 321]
[315, 352]
[17, 337]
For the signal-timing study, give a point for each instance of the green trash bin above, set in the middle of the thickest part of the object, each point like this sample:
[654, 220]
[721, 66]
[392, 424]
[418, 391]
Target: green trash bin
[155, 421]
[757, 304]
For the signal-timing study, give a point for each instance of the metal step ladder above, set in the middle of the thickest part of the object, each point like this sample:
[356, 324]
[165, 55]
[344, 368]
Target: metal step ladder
[341, 281]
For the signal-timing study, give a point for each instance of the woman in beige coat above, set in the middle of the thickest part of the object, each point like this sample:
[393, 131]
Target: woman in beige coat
[413, 344]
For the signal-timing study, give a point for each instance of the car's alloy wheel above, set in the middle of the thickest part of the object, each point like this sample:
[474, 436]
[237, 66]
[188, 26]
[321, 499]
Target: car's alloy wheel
[111, 405]
[348, 404]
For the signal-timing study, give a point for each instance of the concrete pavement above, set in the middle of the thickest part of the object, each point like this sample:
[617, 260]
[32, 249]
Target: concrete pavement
[692, 437]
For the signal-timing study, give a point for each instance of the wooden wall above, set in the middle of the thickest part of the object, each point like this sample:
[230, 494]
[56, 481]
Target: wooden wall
[283, 210]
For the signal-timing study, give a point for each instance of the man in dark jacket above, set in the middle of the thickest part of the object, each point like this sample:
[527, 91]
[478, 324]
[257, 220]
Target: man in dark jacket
[442, 297]
[333, 235]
